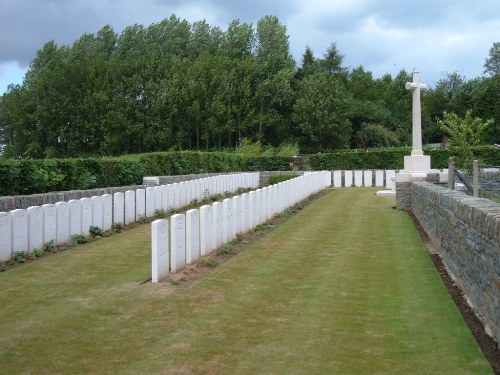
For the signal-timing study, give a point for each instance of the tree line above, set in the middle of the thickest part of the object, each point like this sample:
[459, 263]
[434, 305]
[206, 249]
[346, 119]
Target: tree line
[177, 86]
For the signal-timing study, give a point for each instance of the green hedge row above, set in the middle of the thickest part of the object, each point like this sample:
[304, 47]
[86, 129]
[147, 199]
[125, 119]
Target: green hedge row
[392, 158]
[29, 176]
[275, 179]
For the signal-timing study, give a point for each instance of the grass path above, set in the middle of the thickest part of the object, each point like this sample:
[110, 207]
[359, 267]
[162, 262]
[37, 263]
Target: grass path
[343, 287]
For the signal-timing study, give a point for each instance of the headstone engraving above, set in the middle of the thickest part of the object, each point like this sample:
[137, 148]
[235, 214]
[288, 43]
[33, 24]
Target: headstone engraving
[178, 242]
[5, 236]
[75, 217]
[218, 224]
[337, 178]
[192, 236]
[107, 211]
[140, 204]
[368, 178]
[379, 178]
[347, 178]
[206, 230]
[86, 215]
[159, 250]
[118, 208]
[358, 178]
[49, 223]
[150, 201]
[35, 225]
[97, 211]
[129, 207]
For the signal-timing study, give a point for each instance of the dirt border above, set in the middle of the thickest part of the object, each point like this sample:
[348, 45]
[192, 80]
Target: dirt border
[488, 346]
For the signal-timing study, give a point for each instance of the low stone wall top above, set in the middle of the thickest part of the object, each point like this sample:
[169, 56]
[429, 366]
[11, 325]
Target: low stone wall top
[8, 203]
[165, 180]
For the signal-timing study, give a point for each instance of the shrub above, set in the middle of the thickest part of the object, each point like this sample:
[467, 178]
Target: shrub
[78, 239]
[96, 231]
[49, 246]
[37, 252]
[20, 257]
[209, 262]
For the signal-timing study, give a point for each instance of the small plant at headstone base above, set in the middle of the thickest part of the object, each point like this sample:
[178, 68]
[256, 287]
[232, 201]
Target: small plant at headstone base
[144, 219]
[194, 203]
[20, 257]
[96, 231]
[464, 134]
[287, 212]
[37, 252]
[261, 228]
[238, 239]
[227, 194]
[49, 247]
[160, 213]
[227, 249]
[3, 267]
[117, 227]
[78, 239]
[209, 262]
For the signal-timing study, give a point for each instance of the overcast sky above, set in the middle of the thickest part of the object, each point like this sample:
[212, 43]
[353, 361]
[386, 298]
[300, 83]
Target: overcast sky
[384, 36]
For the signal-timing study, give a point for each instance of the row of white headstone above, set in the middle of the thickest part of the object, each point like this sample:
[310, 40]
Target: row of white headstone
[27, 229]
[199, 232]
[364, 178]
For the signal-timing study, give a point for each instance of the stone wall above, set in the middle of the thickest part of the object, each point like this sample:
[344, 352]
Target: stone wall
[403, 195]
[8, 203]
[466, 232]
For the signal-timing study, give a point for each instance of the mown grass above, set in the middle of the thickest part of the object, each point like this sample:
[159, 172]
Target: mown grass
[345, 287]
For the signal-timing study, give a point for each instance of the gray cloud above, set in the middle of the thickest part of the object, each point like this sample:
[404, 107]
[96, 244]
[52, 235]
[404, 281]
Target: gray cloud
[383, 35]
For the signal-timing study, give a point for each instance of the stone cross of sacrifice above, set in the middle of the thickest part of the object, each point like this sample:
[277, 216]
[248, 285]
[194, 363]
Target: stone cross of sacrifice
[416, 86]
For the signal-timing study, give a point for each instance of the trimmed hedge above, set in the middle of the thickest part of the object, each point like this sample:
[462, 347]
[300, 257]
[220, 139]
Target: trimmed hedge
[277, 178]
[28, 176]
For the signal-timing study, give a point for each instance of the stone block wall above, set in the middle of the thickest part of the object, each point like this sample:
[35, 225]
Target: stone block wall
[8, 203]
[403, 195]
[466, 232]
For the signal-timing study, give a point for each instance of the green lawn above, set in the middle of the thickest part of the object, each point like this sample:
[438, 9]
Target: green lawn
[343, 287]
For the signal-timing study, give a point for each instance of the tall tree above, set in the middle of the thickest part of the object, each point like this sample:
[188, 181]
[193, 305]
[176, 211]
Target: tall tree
[322, 112]
[492, 63]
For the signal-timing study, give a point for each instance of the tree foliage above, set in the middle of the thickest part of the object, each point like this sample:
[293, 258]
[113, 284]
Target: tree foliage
[175, 85]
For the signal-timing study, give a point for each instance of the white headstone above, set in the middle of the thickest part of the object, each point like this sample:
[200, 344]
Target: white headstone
[177, 242]
[390, 175]
[86, 215]
[164, 198]
[159, 250]
[237, 214]
[206, 230]
[150, 201]
[170, 194]
[5, 236]
[347, 178]
[379, 178]
[49, 223]
[192, 236]
[19, 230]
[252, 211]
[244, 212]
[218, 224]
[368, 178]
[337, 178]
[358, 178]
[140, 204]
[75, 217]
[97, 211]
[35, 225]
[227, 208]
[107, 211]
[129, 207]
[158, 197]
[118, 208]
